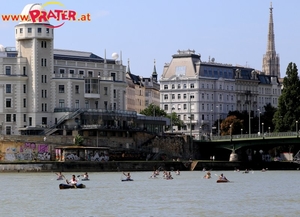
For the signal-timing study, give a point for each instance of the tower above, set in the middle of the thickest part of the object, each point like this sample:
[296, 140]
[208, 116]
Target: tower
[34, 41]
[271, 65]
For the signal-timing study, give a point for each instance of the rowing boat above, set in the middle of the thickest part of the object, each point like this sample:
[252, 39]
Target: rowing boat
[85, 179]
[67, 186]
[222, 181]
[124, 180]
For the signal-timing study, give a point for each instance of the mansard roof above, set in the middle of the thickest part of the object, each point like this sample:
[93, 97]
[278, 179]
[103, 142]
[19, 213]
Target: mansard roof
[267, 79]
[79, 56]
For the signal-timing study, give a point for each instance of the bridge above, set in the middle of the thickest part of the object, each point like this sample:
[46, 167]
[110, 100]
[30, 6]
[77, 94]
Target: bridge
[248, 143]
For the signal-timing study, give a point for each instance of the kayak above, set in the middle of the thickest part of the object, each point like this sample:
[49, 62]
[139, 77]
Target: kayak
[124, 180]
[67, 186]
[85, 179]
[60, 178]
[222, 181]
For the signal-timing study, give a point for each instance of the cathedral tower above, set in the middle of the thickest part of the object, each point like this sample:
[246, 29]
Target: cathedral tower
[271, 65]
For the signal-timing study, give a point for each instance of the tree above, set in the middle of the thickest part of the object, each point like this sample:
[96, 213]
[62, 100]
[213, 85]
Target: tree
[288, 110]
[78, 140]
[236, 125]
[153, 110]
[175, 120]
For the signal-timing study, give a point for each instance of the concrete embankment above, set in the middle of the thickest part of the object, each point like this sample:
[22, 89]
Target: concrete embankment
[111, 166]
[116, 166]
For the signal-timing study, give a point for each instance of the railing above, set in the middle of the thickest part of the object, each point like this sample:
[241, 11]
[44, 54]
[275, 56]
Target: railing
[255, 136]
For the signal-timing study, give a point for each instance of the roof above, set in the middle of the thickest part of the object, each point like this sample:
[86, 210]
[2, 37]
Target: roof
[79, 56]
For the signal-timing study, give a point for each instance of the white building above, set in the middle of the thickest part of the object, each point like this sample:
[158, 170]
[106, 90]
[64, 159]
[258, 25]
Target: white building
[43, 87]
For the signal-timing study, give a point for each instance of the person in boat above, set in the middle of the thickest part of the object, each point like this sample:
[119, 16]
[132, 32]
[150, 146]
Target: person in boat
[60, 176]
[73, 180]
[246, 171]
[177, 172]
[222, 177]
[85, 175]
[169, 175]
[154, 175]
[128, 176]
[207, 175]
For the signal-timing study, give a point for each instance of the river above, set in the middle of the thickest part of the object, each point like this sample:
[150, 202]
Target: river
[270, 193]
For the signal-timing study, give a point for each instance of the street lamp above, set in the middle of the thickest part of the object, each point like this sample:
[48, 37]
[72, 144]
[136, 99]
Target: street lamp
[241, 132]
[211, 124]
[218, 120]
[297, 128]
[269, 130]
[230, 132]
[258, 121]
[262, 126]
[200, 131]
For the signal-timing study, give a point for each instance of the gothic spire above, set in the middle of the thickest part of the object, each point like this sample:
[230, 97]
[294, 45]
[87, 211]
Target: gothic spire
[271, 62]
[154, 69]
[271, 36]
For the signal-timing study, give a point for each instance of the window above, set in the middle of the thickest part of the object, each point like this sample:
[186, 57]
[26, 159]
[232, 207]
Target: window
[173, 96]
[24, 70]
[184, 96]
[45, 78]
[61, 71]
[178, 86]
[105, 90]
[45, 93]
[115, 106]
[45, 62]
[21, 30]
[184, 86]
[8, 88]
[115, 93]
[105, 105]
[29, 30]
[8, 117]
[24, 103]
[39, 30]
[179, 96]
[90, 74]
[77, 89]
[165, 107]
[113, 75]
[61, 88]
[207, 96]
[24, 117]
[8, 130]
[45, 107]
[192, 86]
[165, 87]
[7, 70]
[166, 96]
[81, 72]
[24, 88]
[173, 86]
[184, 106]
[61, 103]
[47, 30]
[202, 95]
[86, 104]
[71, 71]
[77, 104]
[8, 103]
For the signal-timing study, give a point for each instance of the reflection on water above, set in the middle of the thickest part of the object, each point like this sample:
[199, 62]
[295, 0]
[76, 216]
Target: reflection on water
[271, 193]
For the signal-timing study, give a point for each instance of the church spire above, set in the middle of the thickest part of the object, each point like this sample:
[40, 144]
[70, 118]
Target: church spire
[154, 69]
[271, 65]
[271, 37]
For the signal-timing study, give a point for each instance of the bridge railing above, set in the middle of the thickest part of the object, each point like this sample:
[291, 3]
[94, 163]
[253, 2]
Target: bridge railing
[255, 136]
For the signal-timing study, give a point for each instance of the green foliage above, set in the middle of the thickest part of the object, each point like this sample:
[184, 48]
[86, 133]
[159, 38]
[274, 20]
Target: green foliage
[288, 110]
[153, 110]
[78, 140]
[175, 120]
[233, 124]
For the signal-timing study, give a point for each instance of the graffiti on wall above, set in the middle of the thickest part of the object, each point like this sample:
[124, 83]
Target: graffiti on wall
[28, 151]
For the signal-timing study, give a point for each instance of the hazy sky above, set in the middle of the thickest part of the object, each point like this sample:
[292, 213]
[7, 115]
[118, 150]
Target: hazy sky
[231, 31]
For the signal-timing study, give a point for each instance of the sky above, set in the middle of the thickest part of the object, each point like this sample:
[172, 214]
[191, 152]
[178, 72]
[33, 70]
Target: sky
[231, 31]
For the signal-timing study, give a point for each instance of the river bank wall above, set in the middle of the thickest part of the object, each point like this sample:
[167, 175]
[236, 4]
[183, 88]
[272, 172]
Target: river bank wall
[117, 166]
